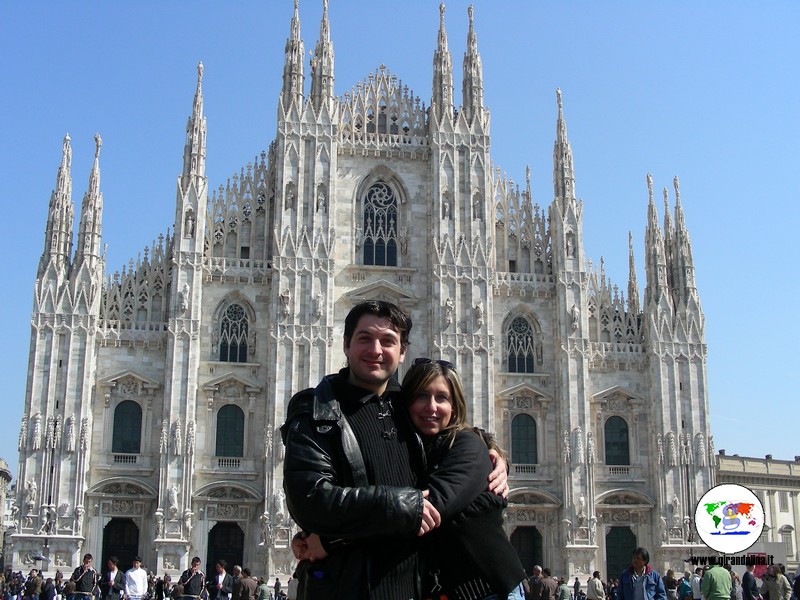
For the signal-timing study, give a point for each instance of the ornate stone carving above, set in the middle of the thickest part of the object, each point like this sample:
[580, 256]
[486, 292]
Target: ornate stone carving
[23, 434]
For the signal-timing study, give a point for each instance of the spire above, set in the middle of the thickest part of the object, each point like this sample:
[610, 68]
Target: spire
[633, 286]
[293, 78]
[194, 153]
[563, 172]
[683, 249]
[472, 90]
[442, 101]
[669, 240]
[90, 228]
[58, 232]
[322, 63]
[655, 259]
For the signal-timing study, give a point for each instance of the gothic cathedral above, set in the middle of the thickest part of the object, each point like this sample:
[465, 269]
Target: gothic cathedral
[154, 394]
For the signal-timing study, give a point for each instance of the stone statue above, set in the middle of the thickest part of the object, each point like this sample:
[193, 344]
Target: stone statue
[403, 239]
[264, 539]
[173, 500]
[445, 209]
[358, 237]
[321, 203]
[188, 227]
[279, 502]
[566, 454]
[159, 524]
[177, 438]
[479, 313]
[567, 530]
[575, 313]
[183, 299]
[36, 442]
[187, 522]
[23, 434]
[449, 309]
[318, 312]
[31, 494]
[590, 452]
[79, 519]
[285, 299]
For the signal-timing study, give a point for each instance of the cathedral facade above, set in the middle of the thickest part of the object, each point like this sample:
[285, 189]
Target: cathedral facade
[155, 393]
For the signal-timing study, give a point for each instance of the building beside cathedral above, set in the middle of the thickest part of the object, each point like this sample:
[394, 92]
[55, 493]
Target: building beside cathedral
[154, 394]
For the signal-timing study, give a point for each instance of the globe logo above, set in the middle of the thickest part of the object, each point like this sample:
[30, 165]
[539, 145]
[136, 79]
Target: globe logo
[729, 518]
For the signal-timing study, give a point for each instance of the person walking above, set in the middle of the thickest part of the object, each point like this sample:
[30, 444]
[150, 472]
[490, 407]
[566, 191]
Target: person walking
[136, 581]
[640, 581]
[193, 580]
[775, 585]
[85, 579]
[220, 586]
[112, 583]
[716, 583]
[594, 589]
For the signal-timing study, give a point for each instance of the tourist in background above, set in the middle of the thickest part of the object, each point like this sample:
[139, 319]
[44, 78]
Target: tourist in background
[639, 570]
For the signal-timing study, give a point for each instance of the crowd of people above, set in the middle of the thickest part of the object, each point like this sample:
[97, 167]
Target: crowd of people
[640, 581]
[139, 584]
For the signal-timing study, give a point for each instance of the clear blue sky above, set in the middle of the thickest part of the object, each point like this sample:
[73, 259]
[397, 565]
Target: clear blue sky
[708, 91]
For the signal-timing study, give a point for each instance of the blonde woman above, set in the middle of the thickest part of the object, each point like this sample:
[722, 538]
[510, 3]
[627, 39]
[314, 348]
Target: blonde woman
[470, 555]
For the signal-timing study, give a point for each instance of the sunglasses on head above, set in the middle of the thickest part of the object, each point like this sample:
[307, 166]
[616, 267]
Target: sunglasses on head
[426, 361]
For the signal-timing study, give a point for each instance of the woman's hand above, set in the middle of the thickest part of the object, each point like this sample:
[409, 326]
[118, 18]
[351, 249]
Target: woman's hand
[498, 478]
[431, 519]
[308, 546]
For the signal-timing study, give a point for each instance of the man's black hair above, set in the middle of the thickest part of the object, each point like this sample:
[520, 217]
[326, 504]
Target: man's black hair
[399, 318]
[114, 560]
[643, 553]
[222, 563]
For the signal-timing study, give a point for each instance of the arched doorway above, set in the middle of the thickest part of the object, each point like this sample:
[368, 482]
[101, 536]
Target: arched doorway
[120, 539]
[527, 541]
[620, 544]
[226, 541]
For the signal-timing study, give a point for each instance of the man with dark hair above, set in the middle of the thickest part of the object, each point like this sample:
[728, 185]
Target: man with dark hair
[193, 580]
[550, 589]
[112, 584]
[640, 581]
[351, 468]
[248, 586]
[136, 583]
[594, 589]
[220, 585]
[85, 578]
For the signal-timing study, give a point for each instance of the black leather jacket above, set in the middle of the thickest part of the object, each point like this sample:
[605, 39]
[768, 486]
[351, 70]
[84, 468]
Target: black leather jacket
[327, 492]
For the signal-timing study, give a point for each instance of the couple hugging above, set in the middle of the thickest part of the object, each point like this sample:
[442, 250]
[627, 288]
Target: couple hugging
[395, 493]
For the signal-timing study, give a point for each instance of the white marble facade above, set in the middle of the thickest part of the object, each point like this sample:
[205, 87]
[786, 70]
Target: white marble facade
[366, 195]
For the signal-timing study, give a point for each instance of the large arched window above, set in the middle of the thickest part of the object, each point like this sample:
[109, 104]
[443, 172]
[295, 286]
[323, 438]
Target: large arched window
[127, 438]
[230, 431]
[380, 225]
[523, 440]
[617, 444]
[233, 335]
[519, 339]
